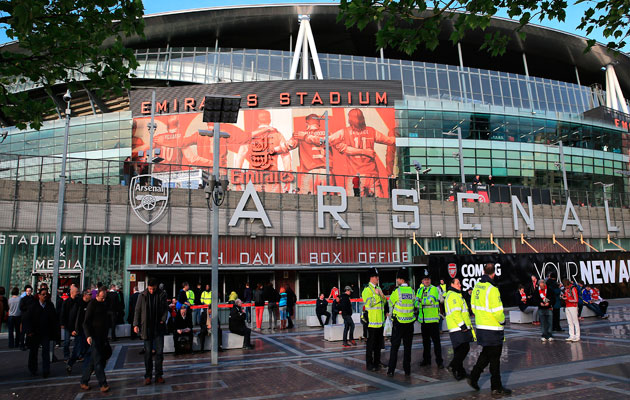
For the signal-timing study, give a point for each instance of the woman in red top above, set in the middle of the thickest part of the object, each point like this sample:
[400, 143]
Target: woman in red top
[571, 299]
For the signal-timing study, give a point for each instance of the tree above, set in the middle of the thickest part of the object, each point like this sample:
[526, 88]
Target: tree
[77, 42]
[407, 24]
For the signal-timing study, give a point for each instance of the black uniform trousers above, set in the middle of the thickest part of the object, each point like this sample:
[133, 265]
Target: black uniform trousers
[431, 333]
[459, 355]
[489, 355]
[400, 332]
[373, 347]
[556, 320]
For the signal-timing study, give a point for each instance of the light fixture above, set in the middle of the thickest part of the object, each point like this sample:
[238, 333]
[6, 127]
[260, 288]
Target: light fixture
[252, 236]
[338, 237]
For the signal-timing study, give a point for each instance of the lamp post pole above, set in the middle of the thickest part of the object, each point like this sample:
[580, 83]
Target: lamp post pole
[60, 200]
[215, 249]
[564, 170]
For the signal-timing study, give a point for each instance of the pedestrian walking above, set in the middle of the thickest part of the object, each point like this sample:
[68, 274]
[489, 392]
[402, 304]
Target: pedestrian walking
[374, 300]
[67, 321]
[133, 300]
[544, 312]
[26, 301]
[459, 328]
[76, 318]
[259, 304]
[272, 298]
[113, 309]
[16, 339]
[150, 323]
[248, 295]
[571, 302]
[403, 306]
[96, 325]
[554, 292]
[291, 302]
[41, 326]
[321, 308]
[346, 313]
[489, 321]
[428, 299]
[282, 306]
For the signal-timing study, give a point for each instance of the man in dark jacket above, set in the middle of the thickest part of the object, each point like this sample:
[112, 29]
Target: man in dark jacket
[96, 324]
[150, 322]
[196, 312]
[237, 323]
[67, 323]
[291, 300]
[556, 302]
[248, 296]
[345, 307]
[133, 300]
[41, 326]
[113, 309]
[76, 317]
[272, 297]
[26, 301]
[321, 307]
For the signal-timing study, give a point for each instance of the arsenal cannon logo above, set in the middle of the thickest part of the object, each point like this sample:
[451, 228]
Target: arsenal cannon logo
[148, 198]
[452, 270]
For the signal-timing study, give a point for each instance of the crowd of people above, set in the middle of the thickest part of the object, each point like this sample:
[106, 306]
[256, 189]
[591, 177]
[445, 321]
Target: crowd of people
[545, 298]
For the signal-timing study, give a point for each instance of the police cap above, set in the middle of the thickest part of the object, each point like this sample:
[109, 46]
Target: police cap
[372, 272]
[403, 274]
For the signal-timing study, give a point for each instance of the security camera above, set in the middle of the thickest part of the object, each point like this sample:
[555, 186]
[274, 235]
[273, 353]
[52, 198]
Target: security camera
[67, 97]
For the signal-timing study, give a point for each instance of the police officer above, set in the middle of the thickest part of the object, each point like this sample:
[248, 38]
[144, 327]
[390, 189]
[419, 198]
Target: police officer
[374, 301]
[403, 316]
[428, 301]
[459, 328]
[489, 320]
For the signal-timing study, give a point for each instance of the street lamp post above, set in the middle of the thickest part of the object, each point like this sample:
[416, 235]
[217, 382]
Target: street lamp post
[604, 187]
[60, 200]
[459, 155]
[217, 109]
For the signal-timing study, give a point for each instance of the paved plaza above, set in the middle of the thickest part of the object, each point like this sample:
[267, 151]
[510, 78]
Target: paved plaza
[300, 364]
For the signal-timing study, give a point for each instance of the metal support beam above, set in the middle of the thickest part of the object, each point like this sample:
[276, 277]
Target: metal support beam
[95, 100]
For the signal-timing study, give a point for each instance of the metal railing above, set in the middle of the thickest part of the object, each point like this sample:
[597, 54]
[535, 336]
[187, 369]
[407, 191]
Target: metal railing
[117, 172]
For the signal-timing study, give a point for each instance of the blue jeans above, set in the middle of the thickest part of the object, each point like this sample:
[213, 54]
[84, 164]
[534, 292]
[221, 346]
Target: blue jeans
[248, 314]
[16, 338]
[66, 344]
[595, 308]
[94, 362]
[78, 349]
[348, 325]
[195, 316]
[546, 321]
[157, 344]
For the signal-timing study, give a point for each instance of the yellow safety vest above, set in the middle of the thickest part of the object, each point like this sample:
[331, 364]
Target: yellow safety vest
[206, 297]
[190, 295]
[428, 299]
[488, 308]
[374, 305]
[457, 315]
[403, 304]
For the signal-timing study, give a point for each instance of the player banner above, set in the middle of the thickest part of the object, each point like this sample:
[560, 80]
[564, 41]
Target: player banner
[609, 271]
[268, 147]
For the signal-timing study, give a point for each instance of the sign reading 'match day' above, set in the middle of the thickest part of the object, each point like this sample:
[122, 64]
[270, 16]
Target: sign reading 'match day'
[268, 94]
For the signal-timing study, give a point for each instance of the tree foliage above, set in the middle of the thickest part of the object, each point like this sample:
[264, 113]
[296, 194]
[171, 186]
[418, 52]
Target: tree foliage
[406, 25]
[64, 41]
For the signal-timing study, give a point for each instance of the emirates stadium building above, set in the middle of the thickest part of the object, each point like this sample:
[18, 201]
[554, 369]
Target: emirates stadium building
[473, 144]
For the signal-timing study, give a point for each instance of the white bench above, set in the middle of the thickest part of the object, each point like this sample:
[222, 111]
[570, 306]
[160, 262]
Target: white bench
[123, 330]
[519, 317]
[334, 333]
[587, 312]
[311, 320]
[169, 345]
[232, 340]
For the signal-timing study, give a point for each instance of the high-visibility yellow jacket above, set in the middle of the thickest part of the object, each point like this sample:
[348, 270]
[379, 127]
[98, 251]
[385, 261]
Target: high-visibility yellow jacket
[191, 297]
[428, 300]
[375, 306]
[403, 304]
[488, 308]
[206, 297]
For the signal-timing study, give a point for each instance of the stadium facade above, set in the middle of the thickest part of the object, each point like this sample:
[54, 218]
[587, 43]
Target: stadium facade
[388, 113]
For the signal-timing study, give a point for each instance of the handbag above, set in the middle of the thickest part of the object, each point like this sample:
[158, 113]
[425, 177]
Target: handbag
[387, 330]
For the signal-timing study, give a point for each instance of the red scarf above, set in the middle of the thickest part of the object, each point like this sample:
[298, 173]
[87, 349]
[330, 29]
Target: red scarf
[543, 294]
[523, 296]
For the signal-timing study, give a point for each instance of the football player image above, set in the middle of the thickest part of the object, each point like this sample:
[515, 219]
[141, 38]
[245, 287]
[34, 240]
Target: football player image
[357, 142]
[312, 154]
[259, 152]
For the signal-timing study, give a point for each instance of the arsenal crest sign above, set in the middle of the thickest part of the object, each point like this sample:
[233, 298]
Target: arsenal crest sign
[147, 199]
[452, 270]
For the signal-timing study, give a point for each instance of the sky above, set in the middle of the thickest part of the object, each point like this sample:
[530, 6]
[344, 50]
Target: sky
[574, 12]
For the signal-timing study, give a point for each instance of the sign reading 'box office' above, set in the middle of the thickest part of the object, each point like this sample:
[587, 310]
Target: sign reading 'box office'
[610, 271]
